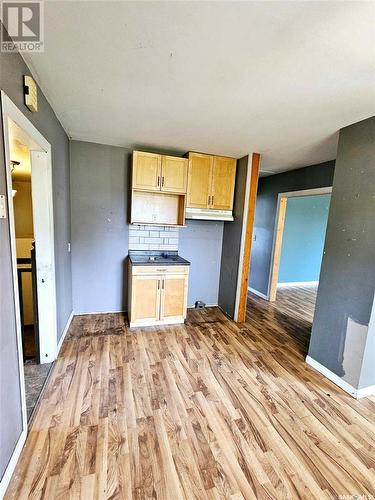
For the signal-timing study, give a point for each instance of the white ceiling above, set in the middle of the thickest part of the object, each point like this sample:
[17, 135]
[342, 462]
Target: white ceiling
[279, 78]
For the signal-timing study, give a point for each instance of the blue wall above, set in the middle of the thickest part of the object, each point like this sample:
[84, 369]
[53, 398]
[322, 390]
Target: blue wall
[303, 239]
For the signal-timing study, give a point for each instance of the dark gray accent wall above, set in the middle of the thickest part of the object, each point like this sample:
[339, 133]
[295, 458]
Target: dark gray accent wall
[347, 283]
[200, 242]
[100, 230]
[230, 257]
[314, 176]
[12, 69]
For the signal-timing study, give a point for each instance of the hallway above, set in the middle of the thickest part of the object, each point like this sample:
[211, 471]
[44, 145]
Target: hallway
[209, 409]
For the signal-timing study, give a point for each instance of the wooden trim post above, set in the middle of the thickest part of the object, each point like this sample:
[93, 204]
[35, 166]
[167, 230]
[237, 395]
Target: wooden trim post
[277, 248]
[255, 162]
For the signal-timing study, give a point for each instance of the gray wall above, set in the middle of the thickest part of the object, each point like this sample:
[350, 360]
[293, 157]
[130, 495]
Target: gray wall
[10, 412]
[12, 69]
[314, 176]
[100, 230]
[200, 243]
[232, 243]
[347, 284]
[100, 234]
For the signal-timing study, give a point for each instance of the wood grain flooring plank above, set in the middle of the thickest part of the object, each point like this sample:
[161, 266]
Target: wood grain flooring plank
[207, 410]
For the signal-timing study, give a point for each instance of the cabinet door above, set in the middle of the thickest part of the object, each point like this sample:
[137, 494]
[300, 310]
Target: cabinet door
[173, 296]
[145, 303]
[146, 171]
[223, 180]
[199, 180]
[174, 174]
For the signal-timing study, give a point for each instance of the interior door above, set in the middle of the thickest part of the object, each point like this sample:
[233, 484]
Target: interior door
[145, 298]
[173, 296]
[146, 171]
[199, 180]
[174, 174]
[223, 180]
[44, 254]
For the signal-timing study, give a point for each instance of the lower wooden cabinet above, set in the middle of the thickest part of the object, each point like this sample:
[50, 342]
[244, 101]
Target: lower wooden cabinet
[157, 295]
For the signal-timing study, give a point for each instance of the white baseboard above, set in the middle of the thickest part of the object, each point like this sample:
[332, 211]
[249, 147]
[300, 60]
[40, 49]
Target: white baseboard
[76, 313]
[65, 331]
[4, 483]
[356, 393]
[298, 283]
[260, 294]
[207, 305]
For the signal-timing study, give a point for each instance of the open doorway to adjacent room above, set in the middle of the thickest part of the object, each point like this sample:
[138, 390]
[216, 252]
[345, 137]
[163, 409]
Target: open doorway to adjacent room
[287, 305]
[29, 188]
[301, 224]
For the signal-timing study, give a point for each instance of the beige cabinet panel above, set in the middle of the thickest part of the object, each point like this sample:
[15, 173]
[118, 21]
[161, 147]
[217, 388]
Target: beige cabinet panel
[146, 171]
[157, 295]
[173, 296]
[223, 180]
[174, 174]
[199, 180]
[145, 304]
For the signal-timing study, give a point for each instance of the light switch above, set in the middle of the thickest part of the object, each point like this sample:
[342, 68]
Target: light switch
[3, 207]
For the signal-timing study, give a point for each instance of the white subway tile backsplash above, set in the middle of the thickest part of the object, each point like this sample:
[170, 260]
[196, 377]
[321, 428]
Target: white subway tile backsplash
[139, 233]
[137, 246]
[153, 238]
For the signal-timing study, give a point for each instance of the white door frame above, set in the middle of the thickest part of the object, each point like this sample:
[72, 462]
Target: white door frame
[41, 172]
[289, 194]
[42, 212]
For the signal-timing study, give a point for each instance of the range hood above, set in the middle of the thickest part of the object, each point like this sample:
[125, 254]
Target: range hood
[209, 214]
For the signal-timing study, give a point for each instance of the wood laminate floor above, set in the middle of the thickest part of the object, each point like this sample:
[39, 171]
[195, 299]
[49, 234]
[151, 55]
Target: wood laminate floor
[207, 410]
[297, 301]
[291, 315]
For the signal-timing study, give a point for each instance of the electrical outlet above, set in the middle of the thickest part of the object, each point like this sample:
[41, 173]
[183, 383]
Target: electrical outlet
[68, 247]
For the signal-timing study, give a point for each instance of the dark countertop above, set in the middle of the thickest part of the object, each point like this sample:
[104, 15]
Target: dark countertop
[154, 258]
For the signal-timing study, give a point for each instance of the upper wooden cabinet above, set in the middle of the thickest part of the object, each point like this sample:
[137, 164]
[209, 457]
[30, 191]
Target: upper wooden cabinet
[199, 180]
[222, 184]
[211, 181]
[154, 172]
[146, 171]
[174, 174]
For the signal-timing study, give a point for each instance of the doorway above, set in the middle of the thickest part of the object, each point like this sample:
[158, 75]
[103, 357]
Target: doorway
[301, 224]
[29, 196]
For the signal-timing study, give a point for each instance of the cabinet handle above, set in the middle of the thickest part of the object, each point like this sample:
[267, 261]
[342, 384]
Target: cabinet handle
[160, 270]
[209, 198]
[162, 181]
[158, 180]
[212, 199]
[158, 284]
[162, 284]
